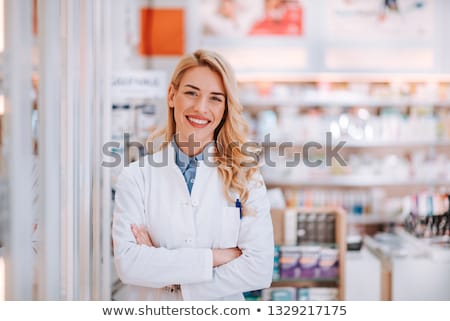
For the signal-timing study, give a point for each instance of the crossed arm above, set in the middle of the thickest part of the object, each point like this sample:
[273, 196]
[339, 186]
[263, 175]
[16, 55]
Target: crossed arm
[220, 256]
[203, 273]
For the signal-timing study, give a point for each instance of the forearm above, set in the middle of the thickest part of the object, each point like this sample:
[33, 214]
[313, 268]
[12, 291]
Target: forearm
[251, 271]
[158, 267]
[223, 256]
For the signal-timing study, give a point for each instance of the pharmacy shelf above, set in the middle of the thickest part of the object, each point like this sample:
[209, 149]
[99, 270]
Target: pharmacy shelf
[396, 144]
[368, 219]
[301, 102]
[352, 182]
[368, 144]
[278, 219]
[365, 77]
[300, 283]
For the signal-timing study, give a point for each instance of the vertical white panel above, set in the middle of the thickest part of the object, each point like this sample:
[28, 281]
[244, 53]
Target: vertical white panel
[86, 214]
[192, 29]
[49, 149]
[101, 189]
[106, 136]
[444, 40]
[95, 140]
[85, 146]
[69, 147]
[2, 25]
[18, 150]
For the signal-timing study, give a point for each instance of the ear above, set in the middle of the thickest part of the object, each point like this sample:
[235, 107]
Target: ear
[170, 96]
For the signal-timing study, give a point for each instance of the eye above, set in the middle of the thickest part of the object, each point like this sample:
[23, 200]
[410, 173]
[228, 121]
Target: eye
[190, 93]
[216, 98]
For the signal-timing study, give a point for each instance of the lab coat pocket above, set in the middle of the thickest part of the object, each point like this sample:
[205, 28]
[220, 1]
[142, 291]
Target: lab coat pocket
[230, 225]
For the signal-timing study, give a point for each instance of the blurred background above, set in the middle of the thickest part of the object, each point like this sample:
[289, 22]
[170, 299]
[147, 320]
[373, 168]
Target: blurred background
[360, 89]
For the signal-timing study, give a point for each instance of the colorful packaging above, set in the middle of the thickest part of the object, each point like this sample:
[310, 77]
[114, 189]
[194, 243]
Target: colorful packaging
[289, 268]
[283, 294]
[329, 263]
[309, 262]
[276, 263]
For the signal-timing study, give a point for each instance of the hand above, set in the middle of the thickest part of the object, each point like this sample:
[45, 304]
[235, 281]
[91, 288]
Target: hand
[222, 256]
[142, 236]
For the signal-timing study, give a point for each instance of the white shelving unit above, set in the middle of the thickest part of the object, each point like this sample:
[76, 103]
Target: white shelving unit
[380, 144]
[355, 182]
[304, 102]
[371, 219]
[421, 97]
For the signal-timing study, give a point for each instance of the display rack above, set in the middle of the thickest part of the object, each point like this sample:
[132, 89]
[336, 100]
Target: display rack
[400, 116]
[356, 182]
[283, 225]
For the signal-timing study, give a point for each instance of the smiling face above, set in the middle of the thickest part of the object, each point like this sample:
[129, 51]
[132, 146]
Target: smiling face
[199, 105]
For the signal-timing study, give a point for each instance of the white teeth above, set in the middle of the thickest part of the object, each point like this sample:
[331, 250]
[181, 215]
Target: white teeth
[198, 121]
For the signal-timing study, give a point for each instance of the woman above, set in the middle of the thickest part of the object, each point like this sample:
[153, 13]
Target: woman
[193, 223]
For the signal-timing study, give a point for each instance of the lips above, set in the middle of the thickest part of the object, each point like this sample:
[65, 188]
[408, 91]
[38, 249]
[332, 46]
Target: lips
[197, 121]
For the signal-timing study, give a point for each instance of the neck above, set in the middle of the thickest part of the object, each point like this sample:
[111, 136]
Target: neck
[189, 147]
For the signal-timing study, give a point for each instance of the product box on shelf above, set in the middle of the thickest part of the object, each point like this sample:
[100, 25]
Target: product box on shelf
[308, 262]
[311, 262]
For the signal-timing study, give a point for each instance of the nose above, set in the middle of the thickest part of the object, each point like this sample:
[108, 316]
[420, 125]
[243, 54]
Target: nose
[201, 106]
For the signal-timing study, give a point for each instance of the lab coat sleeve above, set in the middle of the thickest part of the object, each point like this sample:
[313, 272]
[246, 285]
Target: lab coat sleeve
[149, 266]
[253, 269]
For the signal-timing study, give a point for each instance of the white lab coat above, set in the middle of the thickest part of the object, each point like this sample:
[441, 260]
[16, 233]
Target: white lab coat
[186, 227]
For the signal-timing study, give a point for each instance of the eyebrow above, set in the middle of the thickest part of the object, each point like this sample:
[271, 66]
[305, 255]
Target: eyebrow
[196, 88]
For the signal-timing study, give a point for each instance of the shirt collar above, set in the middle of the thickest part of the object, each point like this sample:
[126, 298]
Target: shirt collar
[182, 160]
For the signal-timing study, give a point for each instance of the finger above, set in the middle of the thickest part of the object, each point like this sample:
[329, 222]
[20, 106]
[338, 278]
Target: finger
[147, 240]
[137, 235]
[135, 231]
[146, 236]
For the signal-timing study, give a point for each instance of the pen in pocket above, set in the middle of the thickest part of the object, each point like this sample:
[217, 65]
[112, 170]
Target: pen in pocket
[239, 206]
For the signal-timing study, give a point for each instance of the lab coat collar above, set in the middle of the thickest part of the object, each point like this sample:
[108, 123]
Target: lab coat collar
[205, 173]
[183, 160]
[206, 158]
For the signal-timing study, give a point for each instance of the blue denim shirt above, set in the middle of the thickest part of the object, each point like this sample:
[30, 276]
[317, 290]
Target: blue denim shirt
[187, 165]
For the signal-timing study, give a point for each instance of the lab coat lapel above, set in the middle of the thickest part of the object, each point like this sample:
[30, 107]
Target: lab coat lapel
[203, 175]
[174, 170]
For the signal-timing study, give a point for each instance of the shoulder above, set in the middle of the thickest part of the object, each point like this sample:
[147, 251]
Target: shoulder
[145, 165]
[136, 170]
[130, 174]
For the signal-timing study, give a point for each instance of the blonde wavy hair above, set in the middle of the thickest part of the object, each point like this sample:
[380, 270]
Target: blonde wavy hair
[230, 134]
